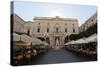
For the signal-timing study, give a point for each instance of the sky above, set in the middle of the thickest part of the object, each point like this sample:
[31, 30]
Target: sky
[27, 10]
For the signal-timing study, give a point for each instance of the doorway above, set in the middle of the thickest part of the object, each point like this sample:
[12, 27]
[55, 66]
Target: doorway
[57, 41]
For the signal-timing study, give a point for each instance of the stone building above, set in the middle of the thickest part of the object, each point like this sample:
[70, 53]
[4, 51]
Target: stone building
[18, 24]
[19, 31]
[52, 29]
[89, 22]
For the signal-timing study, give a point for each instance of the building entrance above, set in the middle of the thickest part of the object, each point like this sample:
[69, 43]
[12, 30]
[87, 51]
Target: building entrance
[57, 41]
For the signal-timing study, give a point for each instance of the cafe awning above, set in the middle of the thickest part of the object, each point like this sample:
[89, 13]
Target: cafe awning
[92, 38]
[79, 41]
[36, 41]
[16, 37]
[25, 38]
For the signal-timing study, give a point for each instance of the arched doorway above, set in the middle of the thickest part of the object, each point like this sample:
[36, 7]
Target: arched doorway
[57, 41]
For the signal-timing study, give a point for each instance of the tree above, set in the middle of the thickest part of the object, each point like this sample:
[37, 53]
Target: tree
[91, 30]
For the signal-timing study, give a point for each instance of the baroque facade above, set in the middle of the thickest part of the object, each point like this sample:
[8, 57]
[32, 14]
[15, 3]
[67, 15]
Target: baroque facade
[52, 29]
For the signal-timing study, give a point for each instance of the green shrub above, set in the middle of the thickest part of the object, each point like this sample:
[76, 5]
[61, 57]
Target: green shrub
[91, 30]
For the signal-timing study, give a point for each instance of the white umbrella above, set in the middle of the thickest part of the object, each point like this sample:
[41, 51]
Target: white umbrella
[92, 38]
[71, 42]
[36, 41]
[80, 41]
[25, 38]
[16, 37]
[45, 43]
[67, 43]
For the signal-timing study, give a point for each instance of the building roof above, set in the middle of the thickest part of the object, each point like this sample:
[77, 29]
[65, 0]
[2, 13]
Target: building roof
[16, 17]
[55, 18]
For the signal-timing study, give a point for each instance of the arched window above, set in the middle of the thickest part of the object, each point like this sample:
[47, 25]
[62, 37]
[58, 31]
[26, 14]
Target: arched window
[66, 28]
[28, 32]
[47, 30]
[73, 28]
[38, 29]
[57, 28]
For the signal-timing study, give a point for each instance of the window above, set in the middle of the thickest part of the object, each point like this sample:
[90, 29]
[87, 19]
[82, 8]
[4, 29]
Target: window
[38, 23]
[47, 30]
[38, 30]
[73, 30]
[57, 30]
[65, 27]
[47, 27]
[28, 32]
